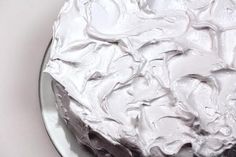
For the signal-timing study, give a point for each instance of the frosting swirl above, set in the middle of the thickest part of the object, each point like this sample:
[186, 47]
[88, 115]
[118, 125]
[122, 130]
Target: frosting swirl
[157, 73]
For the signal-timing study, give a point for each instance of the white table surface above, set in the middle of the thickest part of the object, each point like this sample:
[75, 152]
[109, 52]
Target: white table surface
[25, 30]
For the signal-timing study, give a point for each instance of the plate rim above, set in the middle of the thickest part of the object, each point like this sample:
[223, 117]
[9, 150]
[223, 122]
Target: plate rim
[40, 98]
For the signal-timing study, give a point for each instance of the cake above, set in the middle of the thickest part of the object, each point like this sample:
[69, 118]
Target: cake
[147, 78]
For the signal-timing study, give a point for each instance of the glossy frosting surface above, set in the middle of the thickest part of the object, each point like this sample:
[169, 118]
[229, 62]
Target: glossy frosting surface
[157, 73]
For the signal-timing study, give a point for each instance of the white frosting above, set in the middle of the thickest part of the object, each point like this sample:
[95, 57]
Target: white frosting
[158, 73]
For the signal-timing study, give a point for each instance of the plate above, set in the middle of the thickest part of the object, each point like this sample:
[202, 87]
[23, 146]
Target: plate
[61, 137]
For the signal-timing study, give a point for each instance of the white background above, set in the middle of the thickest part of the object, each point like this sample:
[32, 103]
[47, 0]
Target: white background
[25, 30]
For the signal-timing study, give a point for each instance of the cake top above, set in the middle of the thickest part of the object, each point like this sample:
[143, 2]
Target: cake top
[157, 73]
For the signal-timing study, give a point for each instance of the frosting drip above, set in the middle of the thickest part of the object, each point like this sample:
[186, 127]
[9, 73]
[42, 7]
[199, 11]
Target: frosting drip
[157, 73]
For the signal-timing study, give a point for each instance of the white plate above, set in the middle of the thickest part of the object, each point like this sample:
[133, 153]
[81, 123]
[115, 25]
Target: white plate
[60, 136]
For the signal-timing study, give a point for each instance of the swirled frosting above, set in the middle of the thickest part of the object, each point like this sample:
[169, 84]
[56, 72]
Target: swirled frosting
[158, 74]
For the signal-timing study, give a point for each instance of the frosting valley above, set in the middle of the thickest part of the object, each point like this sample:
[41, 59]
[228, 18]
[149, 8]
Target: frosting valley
[160, 74]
